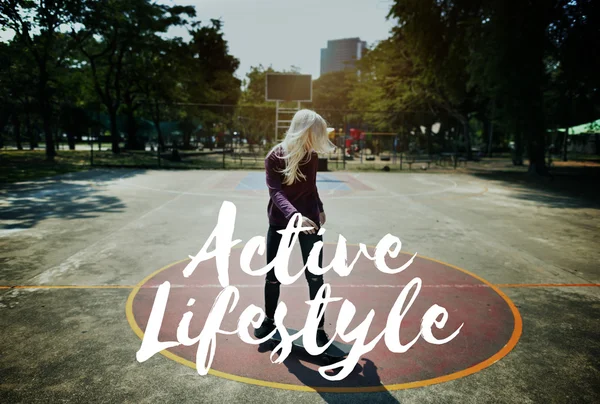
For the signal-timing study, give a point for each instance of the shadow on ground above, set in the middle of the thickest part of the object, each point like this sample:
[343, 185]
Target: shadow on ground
[569, 187]
[70, 196]
[363, 375]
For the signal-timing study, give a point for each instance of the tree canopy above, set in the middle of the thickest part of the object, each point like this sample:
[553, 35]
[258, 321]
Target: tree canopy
[514, 68]
[87, 59]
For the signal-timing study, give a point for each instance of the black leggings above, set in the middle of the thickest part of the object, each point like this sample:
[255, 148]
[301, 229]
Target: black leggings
[272, 285]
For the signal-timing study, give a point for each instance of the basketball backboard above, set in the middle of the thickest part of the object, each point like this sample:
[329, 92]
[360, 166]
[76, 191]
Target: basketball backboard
[288, 87]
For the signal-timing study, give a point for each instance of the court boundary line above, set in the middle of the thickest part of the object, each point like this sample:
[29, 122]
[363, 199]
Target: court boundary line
[507, 348]
[390, 194]
[498, 285]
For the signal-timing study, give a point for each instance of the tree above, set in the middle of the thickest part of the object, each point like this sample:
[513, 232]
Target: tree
[73, 97]
[36, 25]
[17, 72]
[112, 34]
[208, 77]
[255, 115]
[573, 94]
[539, 72]
[436, 35]
[332, 91]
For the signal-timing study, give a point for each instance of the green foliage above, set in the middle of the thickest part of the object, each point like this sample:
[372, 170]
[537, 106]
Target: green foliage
[74, 64]
[523, 65]
[84, 66]
[255, 116]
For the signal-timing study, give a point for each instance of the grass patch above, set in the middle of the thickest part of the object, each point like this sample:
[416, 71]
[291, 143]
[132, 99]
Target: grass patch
[574, 156]
[26, 165]
[125, 158]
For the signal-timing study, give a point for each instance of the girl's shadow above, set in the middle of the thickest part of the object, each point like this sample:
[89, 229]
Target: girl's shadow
[364, 375]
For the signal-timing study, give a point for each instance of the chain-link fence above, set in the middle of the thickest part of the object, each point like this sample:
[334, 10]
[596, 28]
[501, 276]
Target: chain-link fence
[230, 136]
[227, 136]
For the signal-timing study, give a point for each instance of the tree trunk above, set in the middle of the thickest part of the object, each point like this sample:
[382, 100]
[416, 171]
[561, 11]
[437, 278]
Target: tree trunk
[30, 135]
[537, 155]
[57, 139]
[133, 142]
[17, 131]
[186, 140]
[491, 137]
[491, 129]
[161, 142]
[46, 112]
[114, 131]
[37, 135]
[156, 119]
[565, 144]
[71, 140]
[99, 136]
[518, 152]
[429, 135]
[485, 136]
[467, 133]
[536, 137]
[49, 139]
[4, 118]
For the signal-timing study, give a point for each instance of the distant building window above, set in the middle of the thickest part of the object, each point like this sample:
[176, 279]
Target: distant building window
[341, 54]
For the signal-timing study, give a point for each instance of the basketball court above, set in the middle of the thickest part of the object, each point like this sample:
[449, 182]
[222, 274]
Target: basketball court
[83, 255]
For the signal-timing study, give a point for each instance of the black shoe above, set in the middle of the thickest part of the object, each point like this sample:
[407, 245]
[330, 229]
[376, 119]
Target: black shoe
[322, 338]
[265, 328]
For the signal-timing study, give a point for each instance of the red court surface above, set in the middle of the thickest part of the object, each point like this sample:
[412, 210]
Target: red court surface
[492, 324]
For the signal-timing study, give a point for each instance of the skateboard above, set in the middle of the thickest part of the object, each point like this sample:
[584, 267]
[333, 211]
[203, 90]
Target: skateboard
[336, 350]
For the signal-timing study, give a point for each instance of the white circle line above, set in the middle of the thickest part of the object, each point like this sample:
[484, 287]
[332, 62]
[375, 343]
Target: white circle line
[261, 285]
[246, 196]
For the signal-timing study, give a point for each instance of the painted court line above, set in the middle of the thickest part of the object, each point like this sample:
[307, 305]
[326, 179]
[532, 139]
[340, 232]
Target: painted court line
[480, 193]
[325, 190]
[500, 285]
[68, 287]
[432, 192]
[546, 285]
[74, 261]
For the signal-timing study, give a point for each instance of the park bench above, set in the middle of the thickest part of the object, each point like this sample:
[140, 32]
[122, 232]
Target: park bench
[445, 159]
[452, 158]
[244, 155]
[411, 159]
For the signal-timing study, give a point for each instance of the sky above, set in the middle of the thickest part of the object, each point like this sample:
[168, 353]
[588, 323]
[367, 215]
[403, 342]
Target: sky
[286, 33]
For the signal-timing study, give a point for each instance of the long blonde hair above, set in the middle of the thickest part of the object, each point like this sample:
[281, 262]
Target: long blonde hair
[307, 133]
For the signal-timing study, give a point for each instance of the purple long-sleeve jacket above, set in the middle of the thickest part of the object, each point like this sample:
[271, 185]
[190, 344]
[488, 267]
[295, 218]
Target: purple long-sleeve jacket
[286, 200]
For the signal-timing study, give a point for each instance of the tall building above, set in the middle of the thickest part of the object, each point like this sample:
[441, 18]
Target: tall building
[341, 54]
